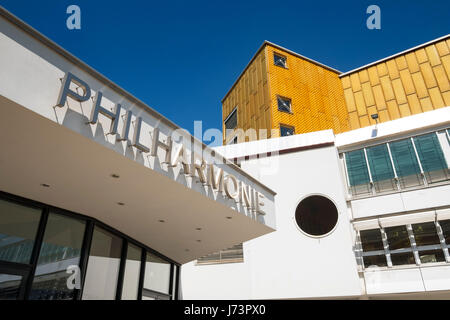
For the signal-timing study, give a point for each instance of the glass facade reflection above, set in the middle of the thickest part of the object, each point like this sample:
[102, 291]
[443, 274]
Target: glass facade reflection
[61, 248]
[18, 229]
[40, 244]
[103, 266]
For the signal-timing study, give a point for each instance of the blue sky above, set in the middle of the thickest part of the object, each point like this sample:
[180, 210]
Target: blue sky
[181, 57]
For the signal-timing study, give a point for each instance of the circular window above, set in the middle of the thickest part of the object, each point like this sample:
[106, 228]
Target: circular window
[316, 215]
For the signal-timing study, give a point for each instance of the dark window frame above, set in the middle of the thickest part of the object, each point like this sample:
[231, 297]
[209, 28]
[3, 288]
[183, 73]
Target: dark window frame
[287, 127]
[282, 56]
[230, 115]
[86, 246]
[290, 104]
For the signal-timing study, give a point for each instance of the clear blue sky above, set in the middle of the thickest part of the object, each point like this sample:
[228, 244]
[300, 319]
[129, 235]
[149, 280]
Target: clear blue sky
[181, 57]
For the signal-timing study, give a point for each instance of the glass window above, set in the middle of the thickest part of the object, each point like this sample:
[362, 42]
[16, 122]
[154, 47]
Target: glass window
[371, 240]
[402, 258]
[445, 225]
[103, 266]
[18, 228]
[378, 261]
[174, 283]
[381, 168]
[132, 272]
[425, 234]
[61, 248]
[10, 286]
[284, 104]
[157, 274]
[358, 174]
[231, 120]
[279, 60]
[428, 256]
[232, 254]
[431, 157]
[286, 131]
[397, 237]
[406, 164]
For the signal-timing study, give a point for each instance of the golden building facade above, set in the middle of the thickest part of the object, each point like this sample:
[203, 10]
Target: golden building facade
[407, 83]
[283, 92]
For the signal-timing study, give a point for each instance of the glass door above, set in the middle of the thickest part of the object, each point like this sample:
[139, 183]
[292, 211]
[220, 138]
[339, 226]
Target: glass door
[12, 282]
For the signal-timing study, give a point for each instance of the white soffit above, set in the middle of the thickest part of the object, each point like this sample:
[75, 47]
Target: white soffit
[443, 214]
[391, 128]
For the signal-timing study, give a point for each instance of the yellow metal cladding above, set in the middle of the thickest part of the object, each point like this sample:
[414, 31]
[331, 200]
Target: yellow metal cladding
[317, 100]
[250, 95]
[406, 84]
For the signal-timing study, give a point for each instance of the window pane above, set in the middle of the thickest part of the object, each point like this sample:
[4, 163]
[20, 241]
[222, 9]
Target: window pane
[445, 225]
[431, 256]
[371, 240]
[279, 60]
[157, 274]
[174, 283]
[231, 122]
[406, 165]
[358, 174]
[132, 272]
[18, 228]
[286, 131]
[381, 168]
[397, 237]
[61, 248]
[402, 258]
[10, 286]
[284, 104]
[103, 266]
[425, 234]
[379, 261]
[431, 157]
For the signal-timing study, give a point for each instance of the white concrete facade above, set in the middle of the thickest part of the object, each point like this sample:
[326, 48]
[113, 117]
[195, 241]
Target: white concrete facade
[288, 264]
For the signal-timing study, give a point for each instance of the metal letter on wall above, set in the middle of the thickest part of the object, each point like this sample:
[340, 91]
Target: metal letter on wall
[67, 92]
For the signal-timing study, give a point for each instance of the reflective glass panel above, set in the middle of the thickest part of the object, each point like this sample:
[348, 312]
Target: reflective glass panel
[379, 261]
[431, 157]
[18, 228]
[132, 272]
[445, 225]
[157, 274]
[402, 258]
[381, 168]
[103, 266]
[425, 234]
[431, 256]
[60, 252]
[371, 240]
[10, 286]
[406, 164]
[397, 237]
[357, 171]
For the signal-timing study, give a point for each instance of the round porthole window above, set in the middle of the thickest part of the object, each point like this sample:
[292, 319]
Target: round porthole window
[316, 215]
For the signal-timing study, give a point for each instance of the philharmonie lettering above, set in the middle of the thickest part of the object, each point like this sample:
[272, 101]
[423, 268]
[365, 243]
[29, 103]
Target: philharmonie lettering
[175, 154]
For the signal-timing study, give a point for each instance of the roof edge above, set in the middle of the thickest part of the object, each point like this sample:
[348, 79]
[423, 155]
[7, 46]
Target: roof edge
[395, 55]
[266, 42]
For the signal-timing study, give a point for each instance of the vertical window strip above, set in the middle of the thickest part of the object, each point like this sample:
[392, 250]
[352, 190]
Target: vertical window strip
[381, 168]
[357, 172]
[433, 163]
